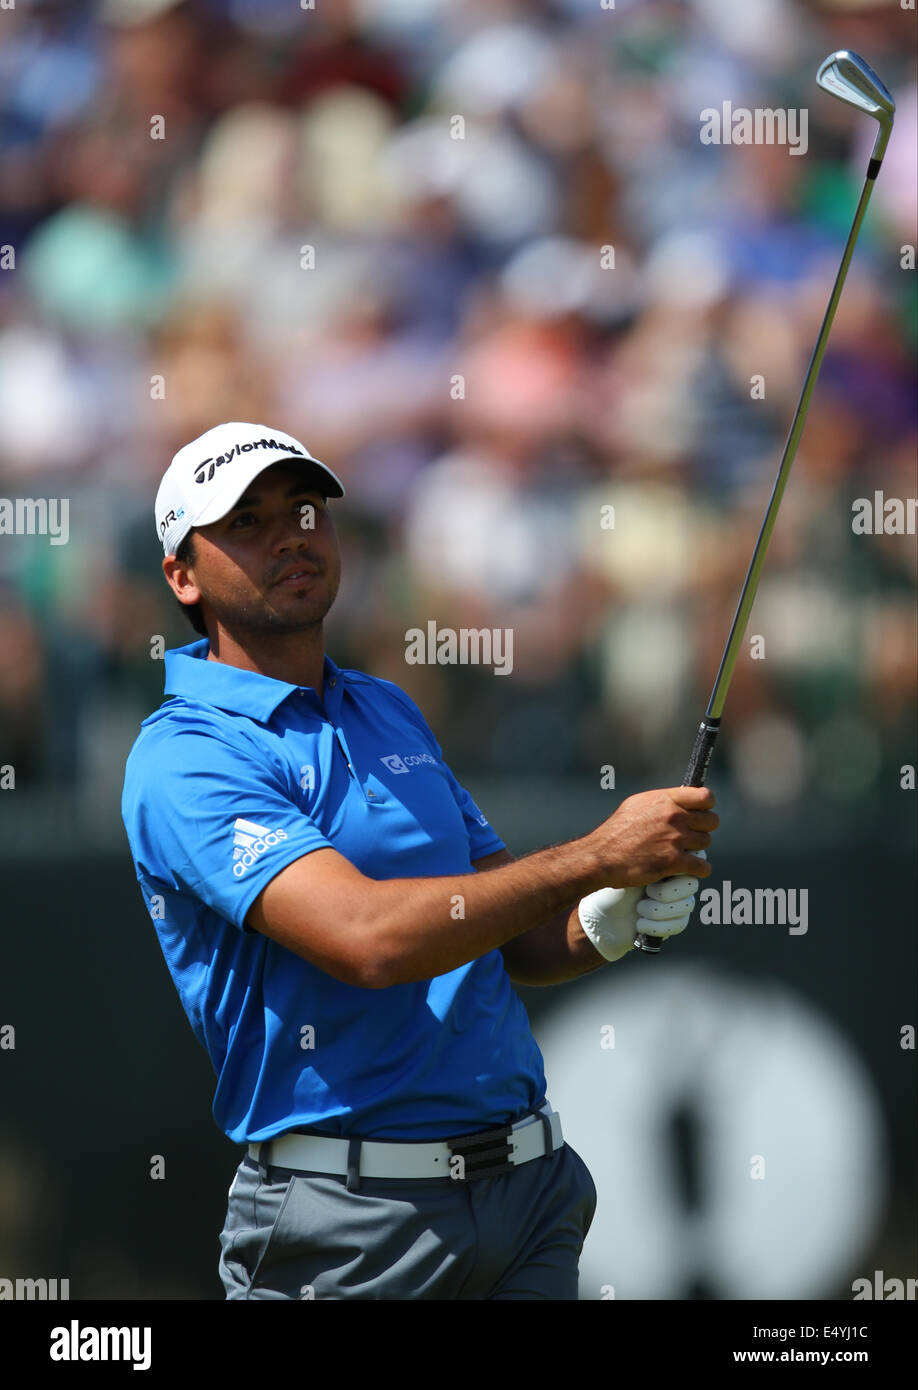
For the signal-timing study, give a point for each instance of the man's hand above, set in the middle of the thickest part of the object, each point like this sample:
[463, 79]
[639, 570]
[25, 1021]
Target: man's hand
[612, 917]
[666, 907]
[654, 835]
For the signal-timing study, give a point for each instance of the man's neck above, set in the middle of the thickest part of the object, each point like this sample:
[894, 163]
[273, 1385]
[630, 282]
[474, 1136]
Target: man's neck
[295, 657]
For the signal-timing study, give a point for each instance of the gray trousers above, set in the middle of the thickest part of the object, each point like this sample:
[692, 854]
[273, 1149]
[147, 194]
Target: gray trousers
[305, 1236]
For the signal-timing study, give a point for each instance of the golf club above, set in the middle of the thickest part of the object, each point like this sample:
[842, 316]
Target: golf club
[844, 75]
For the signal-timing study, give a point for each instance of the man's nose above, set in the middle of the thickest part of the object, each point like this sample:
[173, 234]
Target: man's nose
[290, 533]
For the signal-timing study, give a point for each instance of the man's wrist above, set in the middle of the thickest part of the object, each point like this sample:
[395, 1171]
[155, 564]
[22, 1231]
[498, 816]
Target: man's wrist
[596, 873]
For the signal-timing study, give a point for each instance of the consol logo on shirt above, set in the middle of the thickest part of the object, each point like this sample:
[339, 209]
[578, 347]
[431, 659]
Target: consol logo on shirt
[395, 763]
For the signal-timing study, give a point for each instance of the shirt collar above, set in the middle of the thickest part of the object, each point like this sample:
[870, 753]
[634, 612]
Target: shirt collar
[190, 674]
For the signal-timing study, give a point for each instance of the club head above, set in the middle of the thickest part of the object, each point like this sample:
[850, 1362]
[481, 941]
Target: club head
[845, 75]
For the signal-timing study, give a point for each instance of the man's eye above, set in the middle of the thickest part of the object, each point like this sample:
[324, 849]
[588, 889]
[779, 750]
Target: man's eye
[242, 518]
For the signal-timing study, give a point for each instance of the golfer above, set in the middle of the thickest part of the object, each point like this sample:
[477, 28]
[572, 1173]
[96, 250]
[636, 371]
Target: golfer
[345, 928]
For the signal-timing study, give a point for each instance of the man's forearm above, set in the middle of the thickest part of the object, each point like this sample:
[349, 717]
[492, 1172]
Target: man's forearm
[552, 953]
[427, 926]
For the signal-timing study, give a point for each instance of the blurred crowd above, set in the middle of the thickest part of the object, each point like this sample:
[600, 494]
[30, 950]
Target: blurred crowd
[478, 259]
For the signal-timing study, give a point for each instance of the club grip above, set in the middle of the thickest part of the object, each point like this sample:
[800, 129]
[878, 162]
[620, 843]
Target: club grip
[695, 774]
[705, 740]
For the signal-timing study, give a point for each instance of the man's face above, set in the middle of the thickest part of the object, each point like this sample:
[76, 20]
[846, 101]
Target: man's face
[244, 564]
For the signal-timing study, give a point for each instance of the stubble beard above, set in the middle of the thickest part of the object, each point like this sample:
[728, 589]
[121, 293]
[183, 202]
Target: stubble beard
[256, 618]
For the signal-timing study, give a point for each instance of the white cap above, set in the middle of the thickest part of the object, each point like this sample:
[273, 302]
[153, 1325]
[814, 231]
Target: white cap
[207, 477]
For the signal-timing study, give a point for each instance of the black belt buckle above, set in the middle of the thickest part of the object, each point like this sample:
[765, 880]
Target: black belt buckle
[484, 1155]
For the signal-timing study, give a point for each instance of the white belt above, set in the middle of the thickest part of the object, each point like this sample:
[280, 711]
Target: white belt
[482, 1155]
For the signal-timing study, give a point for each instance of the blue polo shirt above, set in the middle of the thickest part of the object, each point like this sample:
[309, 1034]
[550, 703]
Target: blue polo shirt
[234, 777]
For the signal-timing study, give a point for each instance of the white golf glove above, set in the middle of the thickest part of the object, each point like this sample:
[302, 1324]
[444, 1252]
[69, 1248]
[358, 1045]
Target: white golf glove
[612, 917]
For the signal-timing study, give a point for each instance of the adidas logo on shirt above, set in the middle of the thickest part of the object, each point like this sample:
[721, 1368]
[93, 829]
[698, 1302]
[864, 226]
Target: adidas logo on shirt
[251, 840]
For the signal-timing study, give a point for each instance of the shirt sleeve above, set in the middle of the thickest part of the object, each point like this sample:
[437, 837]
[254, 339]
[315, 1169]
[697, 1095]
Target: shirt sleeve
[483, 839]
[208, 816]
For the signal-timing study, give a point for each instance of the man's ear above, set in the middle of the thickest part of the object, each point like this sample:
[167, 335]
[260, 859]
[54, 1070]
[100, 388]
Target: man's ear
[179, 577]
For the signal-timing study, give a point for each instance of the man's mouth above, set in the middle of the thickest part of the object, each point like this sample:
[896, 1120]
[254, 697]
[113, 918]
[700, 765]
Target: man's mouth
[295, 577]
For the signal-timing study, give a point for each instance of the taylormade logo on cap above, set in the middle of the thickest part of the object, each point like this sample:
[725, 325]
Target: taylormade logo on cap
[207, 477]
[206, 469]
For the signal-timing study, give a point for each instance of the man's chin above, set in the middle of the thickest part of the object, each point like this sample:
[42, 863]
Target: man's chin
[274, 619]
